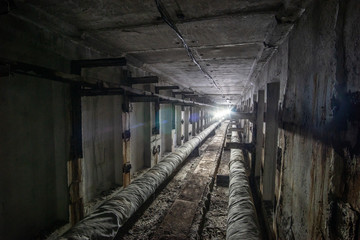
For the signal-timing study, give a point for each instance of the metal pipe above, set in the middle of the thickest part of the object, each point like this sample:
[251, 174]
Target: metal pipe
[105, 222]
[242, 220]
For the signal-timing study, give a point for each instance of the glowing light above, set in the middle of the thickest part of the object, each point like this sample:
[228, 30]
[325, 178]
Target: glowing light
[222, 113]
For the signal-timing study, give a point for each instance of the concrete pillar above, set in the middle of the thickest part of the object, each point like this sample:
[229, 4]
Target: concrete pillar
[178, 124]
[252, 124]
[147, 135]
[126, 146]
[197, 120]
[76, 200]
[182, 124]
[118, 141]
[247, 122]
[173, 128]
[186, 123]
[271, 138]
[193, 120]
[206, 118]
[201, 119]
[156, 129]
[259, 132]
[166, 127]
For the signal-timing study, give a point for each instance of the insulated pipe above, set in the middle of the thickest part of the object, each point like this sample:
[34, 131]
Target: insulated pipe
[242, 220]
[105, 221]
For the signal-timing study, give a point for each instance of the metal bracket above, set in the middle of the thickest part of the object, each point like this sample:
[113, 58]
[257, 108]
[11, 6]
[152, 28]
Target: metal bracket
[126, 135]
[236, 129]
[129, 80]
[126, 167]
[155, 130]
[157, 89]
[154, 150]
[243, 115]
[246, 146]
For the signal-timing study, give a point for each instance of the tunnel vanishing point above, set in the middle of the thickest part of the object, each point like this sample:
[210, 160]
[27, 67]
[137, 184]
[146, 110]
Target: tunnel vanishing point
[169, 119]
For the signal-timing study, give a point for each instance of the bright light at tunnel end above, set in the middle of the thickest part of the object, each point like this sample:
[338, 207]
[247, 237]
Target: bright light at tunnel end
[222, 113]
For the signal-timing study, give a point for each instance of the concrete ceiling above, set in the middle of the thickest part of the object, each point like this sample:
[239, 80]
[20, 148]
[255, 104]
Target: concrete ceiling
[226, 37]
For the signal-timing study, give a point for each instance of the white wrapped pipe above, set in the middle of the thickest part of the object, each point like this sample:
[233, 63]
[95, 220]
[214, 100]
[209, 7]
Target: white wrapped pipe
[105, 221]
[242, 220]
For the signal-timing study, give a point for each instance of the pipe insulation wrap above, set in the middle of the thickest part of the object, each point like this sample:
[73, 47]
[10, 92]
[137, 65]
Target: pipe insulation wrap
[105, 221]
[242, 219]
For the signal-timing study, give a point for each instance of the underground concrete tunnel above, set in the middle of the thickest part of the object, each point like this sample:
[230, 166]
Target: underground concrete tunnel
[167, 119]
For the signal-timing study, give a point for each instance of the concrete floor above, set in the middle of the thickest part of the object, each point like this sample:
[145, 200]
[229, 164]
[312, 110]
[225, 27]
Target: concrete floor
[176, 211]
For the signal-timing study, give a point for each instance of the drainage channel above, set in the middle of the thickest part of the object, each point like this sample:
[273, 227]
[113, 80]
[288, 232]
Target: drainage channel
[178, 210]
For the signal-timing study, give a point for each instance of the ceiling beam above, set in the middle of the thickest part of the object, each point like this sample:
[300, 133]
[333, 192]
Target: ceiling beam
[159, 88]
[235, 145]
[77, 65]
[268, 11]
[198, 47]
[143, 80]
[9, 66]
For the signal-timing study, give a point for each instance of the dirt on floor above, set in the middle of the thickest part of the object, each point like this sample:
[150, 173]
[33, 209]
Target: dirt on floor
[215, 221]
[145, 226]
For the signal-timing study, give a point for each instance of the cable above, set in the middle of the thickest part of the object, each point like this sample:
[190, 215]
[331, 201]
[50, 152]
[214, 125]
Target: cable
[167, 20]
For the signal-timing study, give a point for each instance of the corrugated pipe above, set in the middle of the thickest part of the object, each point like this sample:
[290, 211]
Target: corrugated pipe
[105, 221]
[242, 220]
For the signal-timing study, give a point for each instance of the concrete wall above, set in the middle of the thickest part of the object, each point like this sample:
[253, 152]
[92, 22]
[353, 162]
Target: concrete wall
[35, 131]
[35, 137]
[34, 150]
[318, 178]
[155, 138]
[140, 127]
[102, 144]
[140, 136]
